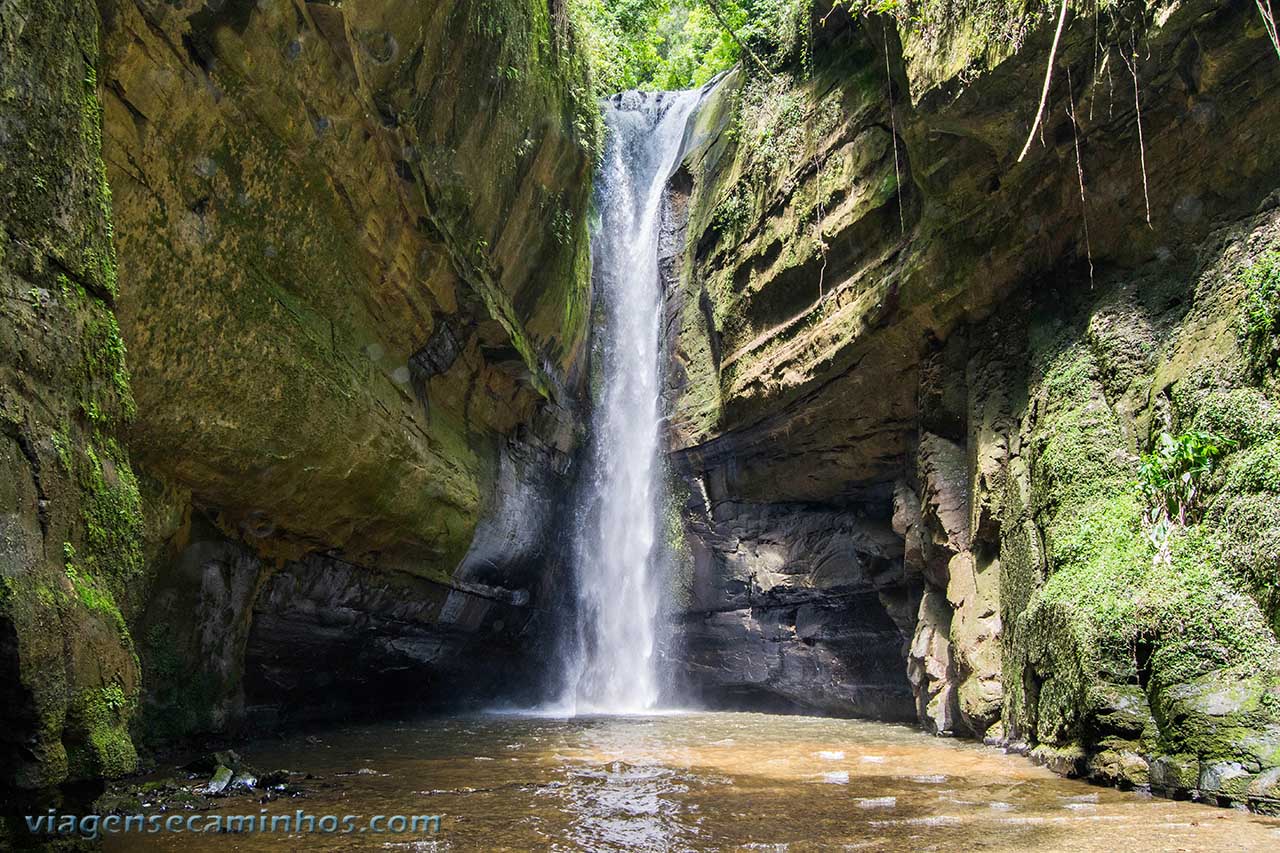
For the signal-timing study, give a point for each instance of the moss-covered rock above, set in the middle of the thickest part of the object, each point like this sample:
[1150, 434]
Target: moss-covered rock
[1116, 613]
[354, 251]
[311, 205]
[347, 249]
[70, 516]
[941, 291]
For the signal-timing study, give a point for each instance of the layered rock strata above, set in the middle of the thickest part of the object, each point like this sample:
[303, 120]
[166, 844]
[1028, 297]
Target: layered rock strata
[353, 287]
[885, 320]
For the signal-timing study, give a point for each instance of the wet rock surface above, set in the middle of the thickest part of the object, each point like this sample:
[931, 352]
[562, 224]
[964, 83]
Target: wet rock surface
[795, 609]
[70, 511]
[219, 780]
[341, 297]
[357, 349]
[883, 313]
[354, 359]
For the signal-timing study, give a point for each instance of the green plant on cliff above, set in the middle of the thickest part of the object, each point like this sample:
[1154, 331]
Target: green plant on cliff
[1261, 321]
[1107, 606]
[98, 742]
[1170, 481]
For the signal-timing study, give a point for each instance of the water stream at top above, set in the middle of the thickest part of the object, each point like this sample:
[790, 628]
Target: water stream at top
[613, 670]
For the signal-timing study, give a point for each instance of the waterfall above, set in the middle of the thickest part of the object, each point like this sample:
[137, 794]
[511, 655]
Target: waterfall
[614, 668]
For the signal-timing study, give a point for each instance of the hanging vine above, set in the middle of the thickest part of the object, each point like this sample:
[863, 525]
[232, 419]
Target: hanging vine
[1269, 22]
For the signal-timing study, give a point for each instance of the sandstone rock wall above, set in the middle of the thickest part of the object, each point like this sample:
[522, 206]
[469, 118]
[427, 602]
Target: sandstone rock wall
[353, 286]
[70, 510]
[883, 318]
[335, 223]
[355, 241]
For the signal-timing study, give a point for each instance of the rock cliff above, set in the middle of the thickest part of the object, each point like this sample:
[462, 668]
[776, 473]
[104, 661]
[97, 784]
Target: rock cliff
[353, 286]
[913, 378]
[70, 510]
[295, 306]
[355, 241]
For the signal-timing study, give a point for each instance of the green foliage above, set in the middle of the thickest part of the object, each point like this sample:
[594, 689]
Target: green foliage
[113, 698]
[678, 44]
[871, 7]
[62, 446]
[112, 513]
[99, 743]
[1170, 478]
[105, 357]
[1261, 321]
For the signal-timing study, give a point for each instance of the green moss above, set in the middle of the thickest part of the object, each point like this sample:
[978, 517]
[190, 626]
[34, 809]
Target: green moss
[103, 373]
[1099, 549]
[62, 446]
[1108, 597]
[1112, 609]
[98, 744]
[1247, 529]
[105, 357]
[1256, 469]
[676, 551]
[1247, 415]
[1203, 620]
[1242, 516]
[49, 598]
[69, 397]
[109, 563]
[112, 509]
[1260, 323]
[95, 597]
[1080, 623]
[1022, 568]
[944, 39]
[1079, 449]
[99, 260]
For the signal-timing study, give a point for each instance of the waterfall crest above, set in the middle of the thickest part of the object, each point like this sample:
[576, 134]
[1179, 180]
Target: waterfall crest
[614, 668]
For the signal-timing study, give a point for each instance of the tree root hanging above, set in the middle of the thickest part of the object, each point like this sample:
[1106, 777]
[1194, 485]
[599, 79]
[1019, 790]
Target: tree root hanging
[1048, 79]
[1269, 22]
[1142, 145]
[1084, 205]
[893, 131]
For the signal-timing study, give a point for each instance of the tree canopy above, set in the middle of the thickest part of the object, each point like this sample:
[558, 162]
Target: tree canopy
[674, 44]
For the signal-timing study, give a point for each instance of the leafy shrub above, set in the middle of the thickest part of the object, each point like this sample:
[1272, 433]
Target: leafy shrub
[1170, 478]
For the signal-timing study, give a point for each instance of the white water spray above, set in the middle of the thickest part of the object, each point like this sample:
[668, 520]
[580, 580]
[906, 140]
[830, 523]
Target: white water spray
[614, 670]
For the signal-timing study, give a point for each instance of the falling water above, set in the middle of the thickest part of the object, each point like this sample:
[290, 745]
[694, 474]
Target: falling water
[614, 668]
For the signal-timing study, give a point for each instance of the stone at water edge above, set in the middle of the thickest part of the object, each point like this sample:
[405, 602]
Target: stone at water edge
[222, 777]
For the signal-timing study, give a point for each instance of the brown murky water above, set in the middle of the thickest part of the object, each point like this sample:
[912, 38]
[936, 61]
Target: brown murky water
[704, 781]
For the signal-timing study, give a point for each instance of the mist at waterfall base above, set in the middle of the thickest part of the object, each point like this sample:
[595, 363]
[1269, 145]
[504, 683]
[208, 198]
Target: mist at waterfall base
[611, 655]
